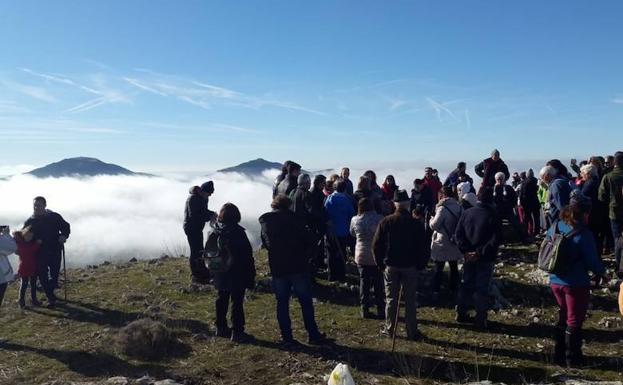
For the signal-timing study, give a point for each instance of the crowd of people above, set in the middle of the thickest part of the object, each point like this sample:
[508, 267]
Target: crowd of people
[317, 226]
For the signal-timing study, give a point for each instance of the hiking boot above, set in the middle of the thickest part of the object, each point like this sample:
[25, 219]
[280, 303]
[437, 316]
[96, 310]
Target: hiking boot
[223, 332]
[319, 339]
[573, 351]
[241, 337]
[559, 346]
[480, 322]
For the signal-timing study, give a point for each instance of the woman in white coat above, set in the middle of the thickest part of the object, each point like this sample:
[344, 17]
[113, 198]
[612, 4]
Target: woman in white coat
[7, 247]
[443, 248]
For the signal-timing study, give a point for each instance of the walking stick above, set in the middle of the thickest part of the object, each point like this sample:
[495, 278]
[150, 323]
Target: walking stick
[396, 320]
[65, 274]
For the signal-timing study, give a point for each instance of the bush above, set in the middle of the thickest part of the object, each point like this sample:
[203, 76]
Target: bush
[146, 339]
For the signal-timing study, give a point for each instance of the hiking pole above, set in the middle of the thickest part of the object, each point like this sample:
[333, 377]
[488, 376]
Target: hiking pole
[396, 320]
[65, 273]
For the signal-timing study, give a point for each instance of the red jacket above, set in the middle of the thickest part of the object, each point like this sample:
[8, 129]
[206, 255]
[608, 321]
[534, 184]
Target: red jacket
[27, 252]
[434, 184]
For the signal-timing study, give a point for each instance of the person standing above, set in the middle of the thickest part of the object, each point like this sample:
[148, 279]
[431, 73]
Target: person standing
[558, 191]
[431, 180]
[458, 175]
[443, 246]
[7, 247]
[529, 201]
[362, 228]
[477, 236]
[571, 288]
[232, 283]
[611, 193]
[319, 220]
[345, 175]
[196, 214]
[288, 241]
[399, 247]
[51, 230]
[289, 183]
[489, 167]
[340, 210]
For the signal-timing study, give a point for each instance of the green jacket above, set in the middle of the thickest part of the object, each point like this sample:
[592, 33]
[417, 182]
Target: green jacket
[611, 192]
[542, 194]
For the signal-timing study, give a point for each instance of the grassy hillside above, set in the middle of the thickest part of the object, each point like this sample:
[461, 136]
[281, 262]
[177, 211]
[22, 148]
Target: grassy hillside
[75, 342]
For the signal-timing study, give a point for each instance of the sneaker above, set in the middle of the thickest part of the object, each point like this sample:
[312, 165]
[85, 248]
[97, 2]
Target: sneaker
[241, 337]
[320, 339]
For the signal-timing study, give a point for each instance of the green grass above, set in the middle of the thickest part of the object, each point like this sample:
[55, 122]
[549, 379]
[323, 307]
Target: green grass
[75, 342]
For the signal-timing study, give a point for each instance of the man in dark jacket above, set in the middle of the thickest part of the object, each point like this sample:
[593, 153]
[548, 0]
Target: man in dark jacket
[422, 196]
[52, 231]
[288, 242]
[399, 249]
[301, 199]
[489, 167]
[558, 191]
[291, 180]
[529, 201]
[196, 214]
[345, 175]
[477, 235]
[458, 175]
[611, 193]
[319, 218]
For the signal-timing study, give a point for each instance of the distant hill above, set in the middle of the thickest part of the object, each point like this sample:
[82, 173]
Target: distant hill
[253, 167]
[81, 166]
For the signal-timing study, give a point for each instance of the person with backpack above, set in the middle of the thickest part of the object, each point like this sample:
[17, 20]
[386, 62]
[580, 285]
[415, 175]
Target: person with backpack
[569, 279]
[288, 242]
[196, 215]
[558, 190]
[52, 230]
[443, 247]
[399, 247]
[236, 272]
[363, 227]
[477, 235]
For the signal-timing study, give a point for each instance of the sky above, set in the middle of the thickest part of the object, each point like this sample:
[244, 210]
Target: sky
[200, 85]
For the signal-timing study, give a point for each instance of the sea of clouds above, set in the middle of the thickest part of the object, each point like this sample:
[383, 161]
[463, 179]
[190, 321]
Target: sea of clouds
[116, 218]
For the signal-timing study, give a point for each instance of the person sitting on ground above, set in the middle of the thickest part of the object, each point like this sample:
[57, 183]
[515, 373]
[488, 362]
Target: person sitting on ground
[399, 248]
[339, 209]
[196, 215]
[571, 288]
[290, 181]
[489, 167]
[477, 236]
[52, 230]
[27, 249]
[443, 247]
[363, 227]
[288, 241]
[232, 283]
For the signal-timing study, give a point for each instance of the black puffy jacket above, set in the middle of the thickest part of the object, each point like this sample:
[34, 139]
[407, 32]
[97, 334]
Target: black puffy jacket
[196, 212]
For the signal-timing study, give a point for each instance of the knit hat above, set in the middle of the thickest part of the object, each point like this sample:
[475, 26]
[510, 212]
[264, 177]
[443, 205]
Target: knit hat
[401, 196]
[207, 187]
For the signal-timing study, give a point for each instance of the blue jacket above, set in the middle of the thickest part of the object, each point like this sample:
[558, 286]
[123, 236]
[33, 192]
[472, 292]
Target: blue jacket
[559, 191]
[583, 258]
[340, 210]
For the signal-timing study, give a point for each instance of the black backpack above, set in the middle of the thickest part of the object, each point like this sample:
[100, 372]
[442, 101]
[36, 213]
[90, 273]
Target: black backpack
[554, 252]
[217, 254]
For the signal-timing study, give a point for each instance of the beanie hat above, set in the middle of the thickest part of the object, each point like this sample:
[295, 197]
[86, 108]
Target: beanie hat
[208, 187]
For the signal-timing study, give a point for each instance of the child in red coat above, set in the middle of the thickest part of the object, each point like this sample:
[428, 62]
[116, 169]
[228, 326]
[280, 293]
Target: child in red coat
[27, 250]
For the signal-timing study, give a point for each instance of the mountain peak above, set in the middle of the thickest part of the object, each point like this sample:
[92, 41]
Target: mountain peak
[253, 167]
[79, 166]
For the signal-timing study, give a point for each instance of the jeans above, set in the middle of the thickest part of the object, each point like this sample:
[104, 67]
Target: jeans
[572, 304]
[407, 278]
[237, 310]
[24, 286]
[617, 227]
[475, 285]
[197, 266]
[371, 277]
[438, 278]
[337, 257]
[44, 266]
[301, 285]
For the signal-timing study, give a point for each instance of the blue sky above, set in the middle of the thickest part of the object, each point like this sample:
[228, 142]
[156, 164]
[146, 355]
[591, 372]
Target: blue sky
[197, 85]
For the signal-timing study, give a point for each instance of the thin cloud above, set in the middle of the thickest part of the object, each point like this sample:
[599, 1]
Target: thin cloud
[138, 84]
[61, 80]
[617, 100]
[93, 103]
[34, 92]
[441, 108]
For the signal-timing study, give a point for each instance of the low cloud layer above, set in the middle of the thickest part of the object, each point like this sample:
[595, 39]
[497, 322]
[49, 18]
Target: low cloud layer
[120, 217]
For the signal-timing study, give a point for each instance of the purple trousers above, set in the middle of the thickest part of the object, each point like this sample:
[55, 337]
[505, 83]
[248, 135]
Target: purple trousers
[573, 304]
